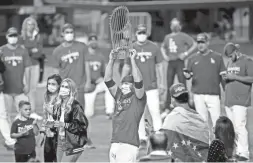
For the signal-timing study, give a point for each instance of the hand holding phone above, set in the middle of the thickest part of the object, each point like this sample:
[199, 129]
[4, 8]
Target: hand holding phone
[187, 73]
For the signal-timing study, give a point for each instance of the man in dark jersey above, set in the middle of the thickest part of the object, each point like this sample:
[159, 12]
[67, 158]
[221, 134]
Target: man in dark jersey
[69, 58]
[176, 47]
[150, 62]
[97, 62]
[158, 142]
[130, 100]
[239, 79]
[204, 68]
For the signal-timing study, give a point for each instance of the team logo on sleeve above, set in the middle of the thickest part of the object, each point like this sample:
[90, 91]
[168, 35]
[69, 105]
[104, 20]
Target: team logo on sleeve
[71, 57]
[143, 56]
[95, 65]
[13, 60]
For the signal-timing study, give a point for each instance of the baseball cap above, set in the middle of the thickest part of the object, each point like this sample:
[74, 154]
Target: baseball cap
[178, 89]
[92, 37]
[230, 48]
[141, 28]
[67, 26]
[12, 31]
[128, 79]
[175, 21]
[202, 37]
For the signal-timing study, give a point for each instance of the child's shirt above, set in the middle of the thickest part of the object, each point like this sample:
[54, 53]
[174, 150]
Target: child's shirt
[24, 144]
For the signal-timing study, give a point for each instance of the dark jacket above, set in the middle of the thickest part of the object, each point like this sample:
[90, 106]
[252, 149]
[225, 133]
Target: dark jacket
[76, 125]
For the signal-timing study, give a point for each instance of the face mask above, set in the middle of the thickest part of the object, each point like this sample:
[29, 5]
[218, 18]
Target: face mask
[64, 92]
[142, 38]
[12, 40]
[69, 37]
[52, 88]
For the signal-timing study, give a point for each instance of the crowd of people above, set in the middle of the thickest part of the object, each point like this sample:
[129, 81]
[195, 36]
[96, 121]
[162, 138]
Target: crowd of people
[181, 132]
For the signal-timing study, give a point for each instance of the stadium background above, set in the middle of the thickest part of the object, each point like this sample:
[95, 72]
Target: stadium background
[92, 16]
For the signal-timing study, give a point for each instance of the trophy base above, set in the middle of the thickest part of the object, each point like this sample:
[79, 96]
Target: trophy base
[122, 54]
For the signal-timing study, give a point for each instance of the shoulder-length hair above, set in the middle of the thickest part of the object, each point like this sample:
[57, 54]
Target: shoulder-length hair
[24, 27]
[73, 94]
[58, 80]
[225, 132]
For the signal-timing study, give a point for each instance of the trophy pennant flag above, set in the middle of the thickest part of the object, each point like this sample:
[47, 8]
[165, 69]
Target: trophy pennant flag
[121, 31]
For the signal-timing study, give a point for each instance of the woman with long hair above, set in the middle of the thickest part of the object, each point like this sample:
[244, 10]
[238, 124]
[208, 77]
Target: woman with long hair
[53, 87]
[71, 123]
[222, 148]
[33, 42]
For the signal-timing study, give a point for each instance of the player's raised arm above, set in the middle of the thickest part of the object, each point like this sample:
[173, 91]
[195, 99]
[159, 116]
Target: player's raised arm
[108, 78]
[138, 80]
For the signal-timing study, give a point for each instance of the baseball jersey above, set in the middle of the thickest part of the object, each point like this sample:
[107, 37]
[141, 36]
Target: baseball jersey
[24, 144]
[238, 93]
[175, 44]
[97, 66]
[148, 55]
[15, 61]
[126, 118]
[206, 70]
[30, 44]
[71, 62]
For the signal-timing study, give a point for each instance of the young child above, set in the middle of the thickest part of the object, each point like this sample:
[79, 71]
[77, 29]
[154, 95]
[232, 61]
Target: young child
[222, 148]
[24, 130]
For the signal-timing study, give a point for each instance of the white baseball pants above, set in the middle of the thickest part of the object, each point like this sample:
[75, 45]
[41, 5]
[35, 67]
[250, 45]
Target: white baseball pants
[238, 115]
[90, 100]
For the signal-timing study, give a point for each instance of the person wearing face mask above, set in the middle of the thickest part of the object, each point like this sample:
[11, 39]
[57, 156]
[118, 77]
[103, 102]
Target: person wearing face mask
[69, 59]
[204, 68]
[48, 131]
[238, 78]
[96, 62]
[186, 130]
[70, 122]
[33, 42]
[149, 59]
[176, 47]
[130, 100]
[16, 62]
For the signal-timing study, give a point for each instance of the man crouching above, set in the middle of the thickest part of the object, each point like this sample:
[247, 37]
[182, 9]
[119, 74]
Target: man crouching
[130, 101]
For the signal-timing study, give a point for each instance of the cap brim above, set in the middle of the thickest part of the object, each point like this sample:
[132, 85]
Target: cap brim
[180, 93]
[14, 33]
[142, 30]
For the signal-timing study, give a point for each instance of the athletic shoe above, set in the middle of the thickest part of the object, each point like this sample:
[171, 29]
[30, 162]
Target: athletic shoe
[9, 147]
[89, 145]
[241, 158]
[109, 116]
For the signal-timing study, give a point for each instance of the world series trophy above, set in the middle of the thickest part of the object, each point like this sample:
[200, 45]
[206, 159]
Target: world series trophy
[121, 31]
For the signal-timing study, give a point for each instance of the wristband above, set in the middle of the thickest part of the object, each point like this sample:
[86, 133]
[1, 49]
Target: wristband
[110, 83]
[138, 85]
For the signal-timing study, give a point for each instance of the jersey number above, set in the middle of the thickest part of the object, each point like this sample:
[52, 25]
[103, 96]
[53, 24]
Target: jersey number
[172, 46]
